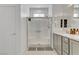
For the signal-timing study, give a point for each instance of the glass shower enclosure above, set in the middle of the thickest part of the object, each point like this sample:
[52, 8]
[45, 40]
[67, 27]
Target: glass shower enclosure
[39, 29]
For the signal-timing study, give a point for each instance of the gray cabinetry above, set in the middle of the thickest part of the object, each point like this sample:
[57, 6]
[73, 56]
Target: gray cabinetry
[66, 46]
[57, 43]
[61, 44]
[74, 47]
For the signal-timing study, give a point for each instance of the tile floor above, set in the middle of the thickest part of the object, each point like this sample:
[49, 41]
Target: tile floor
[41, 52]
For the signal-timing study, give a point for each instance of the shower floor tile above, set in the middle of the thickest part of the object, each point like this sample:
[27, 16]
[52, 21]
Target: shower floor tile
[40, 49]
[41, 52]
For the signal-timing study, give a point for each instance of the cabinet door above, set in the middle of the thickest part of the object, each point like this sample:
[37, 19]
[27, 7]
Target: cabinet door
[55, 42]
[74, 47]
[59, 44]
[65, 46]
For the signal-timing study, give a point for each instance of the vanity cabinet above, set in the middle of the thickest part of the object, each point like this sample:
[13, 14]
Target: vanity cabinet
[61, 44]
[57, 43]
[74, 47]
[66, 46]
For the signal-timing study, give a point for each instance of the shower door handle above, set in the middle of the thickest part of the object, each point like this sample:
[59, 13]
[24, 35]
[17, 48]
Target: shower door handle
[38, 31]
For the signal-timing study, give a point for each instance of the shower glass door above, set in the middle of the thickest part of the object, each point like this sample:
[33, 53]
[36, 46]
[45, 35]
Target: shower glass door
[39, 32]
[39, 28]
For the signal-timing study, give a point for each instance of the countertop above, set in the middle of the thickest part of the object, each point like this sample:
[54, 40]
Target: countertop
[70, 36]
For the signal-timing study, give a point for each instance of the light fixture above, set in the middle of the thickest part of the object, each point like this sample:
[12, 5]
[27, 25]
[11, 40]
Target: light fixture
[38, 15]
[75, 15]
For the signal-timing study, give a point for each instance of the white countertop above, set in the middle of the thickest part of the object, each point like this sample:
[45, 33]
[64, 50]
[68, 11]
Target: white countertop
[70, 36]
